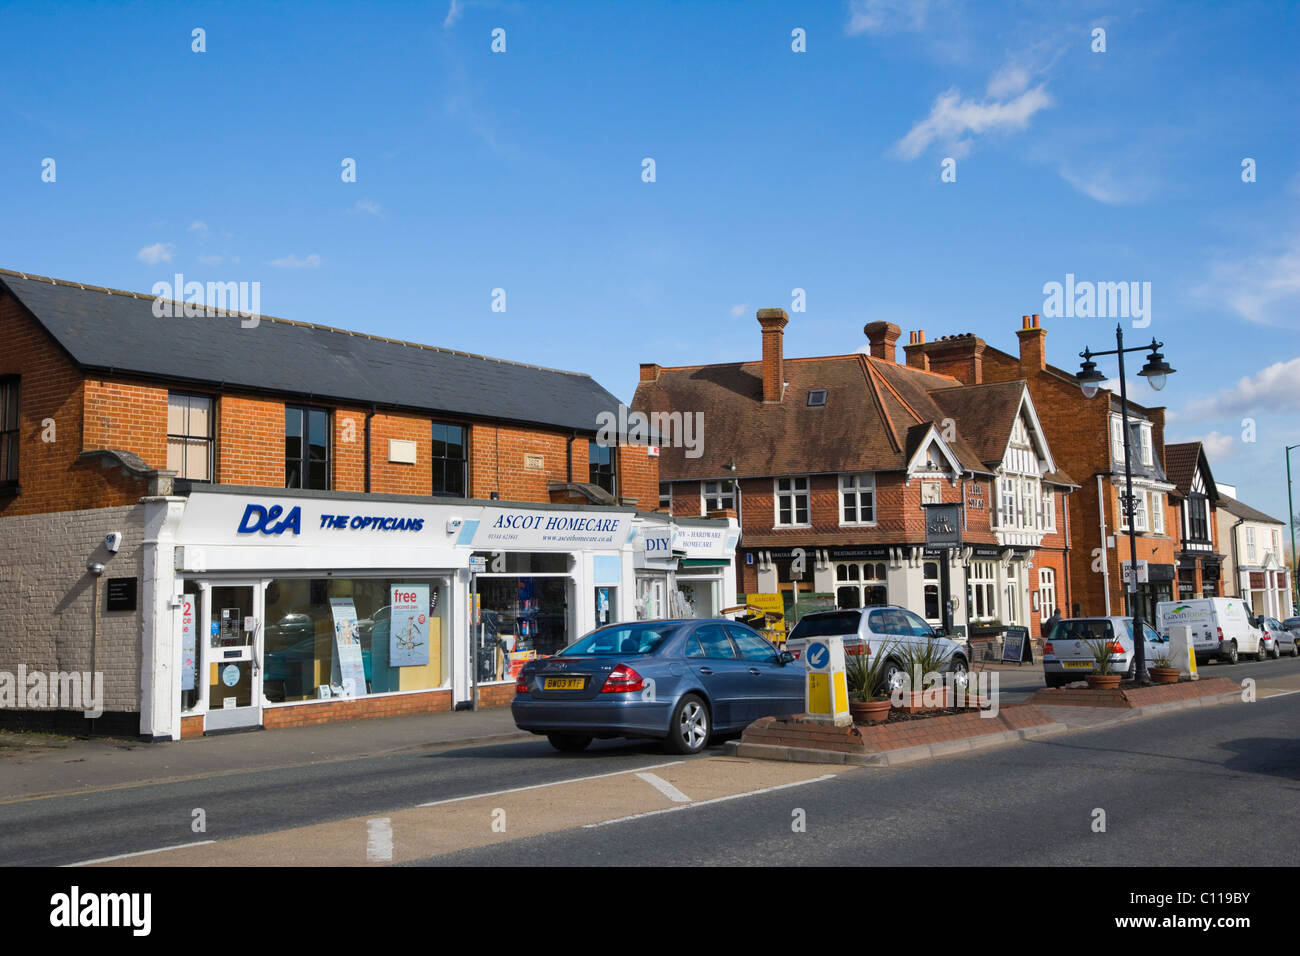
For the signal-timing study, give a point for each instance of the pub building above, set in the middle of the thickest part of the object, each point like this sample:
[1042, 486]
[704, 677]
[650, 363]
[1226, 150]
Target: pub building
[271, 523]
[831, 462]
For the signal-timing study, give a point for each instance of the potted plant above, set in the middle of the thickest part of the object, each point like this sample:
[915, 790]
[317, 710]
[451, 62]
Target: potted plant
[1104, 651]
[920, 660]
[1164, 669]
[868, 695]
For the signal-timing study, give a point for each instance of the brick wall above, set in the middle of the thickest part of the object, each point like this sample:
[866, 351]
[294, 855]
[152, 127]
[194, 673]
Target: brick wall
[638, 476]
[497, 461]
[51, 406]
[250, 441]
[391, 477]
[326, 712]
[47, 597]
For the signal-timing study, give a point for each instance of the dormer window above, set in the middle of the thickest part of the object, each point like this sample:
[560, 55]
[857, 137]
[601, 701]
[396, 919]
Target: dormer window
[816, 397]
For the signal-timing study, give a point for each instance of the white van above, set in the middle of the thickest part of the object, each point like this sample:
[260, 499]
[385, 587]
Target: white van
[1222, 628]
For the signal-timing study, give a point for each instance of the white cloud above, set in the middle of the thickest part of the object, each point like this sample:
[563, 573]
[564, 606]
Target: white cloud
[1263, 288]
[158, 252]
[1273, 389]
[1216, 446]
[211, 260]
[954, 121]
[1008, 81]
[369, 206]
[453, 14]
[312, 261]
[738, 310]
[198, 225]
[886, 16]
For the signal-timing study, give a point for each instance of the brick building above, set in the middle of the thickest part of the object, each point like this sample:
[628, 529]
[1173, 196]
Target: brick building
[288, 497]
[1087, 437]
[830, 461]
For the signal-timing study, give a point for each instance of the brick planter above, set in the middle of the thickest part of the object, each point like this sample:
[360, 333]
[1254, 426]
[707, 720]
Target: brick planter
[801, 733]
[1132, 698]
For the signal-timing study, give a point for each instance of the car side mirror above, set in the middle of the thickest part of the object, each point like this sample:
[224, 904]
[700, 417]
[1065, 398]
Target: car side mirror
[787, 658]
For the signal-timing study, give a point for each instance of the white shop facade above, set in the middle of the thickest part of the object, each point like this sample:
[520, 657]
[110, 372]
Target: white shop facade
[684, 567]
[269, 607]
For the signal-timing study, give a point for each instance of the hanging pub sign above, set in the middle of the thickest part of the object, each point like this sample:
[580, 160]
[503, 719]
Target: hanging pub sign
[942, 525]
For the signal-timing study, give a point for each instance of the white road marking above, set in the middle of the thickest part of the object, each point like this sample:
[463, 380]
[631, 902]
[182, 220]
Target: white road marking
[664, 787]
[705, 803]
[1264, 695]
[126, 856]
[539, 786]
[379, 840]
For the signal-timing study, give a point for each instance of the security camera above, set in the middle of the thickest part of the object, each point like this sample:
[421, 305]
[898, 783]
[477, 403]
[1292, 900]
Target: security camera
[454, 525]
[95, 568]
[113, 541]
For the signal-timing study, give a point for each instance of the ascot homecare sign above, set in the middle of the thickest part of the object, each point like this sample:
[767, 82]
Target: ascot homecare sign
[529, 530]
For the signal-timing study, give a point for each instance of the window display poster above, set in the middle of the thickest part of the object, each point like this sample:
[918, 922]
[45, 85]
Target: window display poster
[408, 634]
[189, 643]
[349, 670]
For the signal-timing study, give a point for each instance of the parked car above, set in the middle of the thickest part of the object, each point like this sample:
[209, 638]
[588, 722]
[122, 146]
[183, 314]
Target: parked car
[1068, 656]
[1292, 626]
[679, 681]
[1277, 639]
[1222, 628]
[870, 629]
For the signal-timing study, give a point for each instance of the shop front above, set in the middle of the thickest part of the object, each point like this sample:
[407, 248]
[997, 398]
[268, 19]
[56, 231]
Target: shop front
[684, 567]
[271, 609]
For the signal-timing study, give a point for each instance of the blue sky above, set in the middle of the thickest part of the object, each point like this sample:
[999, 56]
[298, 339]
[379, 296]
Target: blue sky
[774, 170]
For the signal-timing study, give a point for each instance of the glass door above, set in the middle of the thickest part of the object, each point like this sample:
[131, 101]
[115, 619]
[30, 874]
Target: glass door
[234, 635]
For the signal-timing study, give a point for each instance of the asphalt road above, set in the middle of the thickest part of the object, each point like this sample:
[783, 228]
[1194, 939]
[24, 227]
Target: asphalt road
[1177, 776]
[1215, 786]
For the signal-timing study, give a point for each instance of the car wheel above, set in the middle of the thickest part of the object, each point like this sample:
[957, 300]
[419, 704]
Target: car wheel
[893, 675]
[1053, 681]
[688, 730]
[1232, 654]
[1295, 648]
[1277, 651]
[569, 743]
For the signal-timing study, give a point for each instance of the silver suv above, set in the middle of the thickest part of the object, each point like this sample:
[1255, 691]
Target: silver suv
[870, 629]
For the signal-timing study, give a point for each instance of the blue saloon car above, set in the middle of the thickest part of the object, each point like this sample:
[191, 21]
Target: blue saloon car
[677, 681]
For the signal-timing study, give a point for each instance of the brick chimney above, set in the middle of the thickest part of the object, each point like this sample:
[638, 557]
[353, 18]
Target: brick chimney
[1033, 346]
[915, 351]
[961, 356]
[882, 336]
[650, 372]
[773, 322]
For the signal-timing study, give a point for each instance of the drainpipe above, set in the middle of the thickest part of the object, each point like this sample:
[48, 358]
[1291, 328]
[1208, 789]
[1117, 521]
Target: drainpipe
[369, 415]
[1065, 511]
[1105, 560]
[572, 438]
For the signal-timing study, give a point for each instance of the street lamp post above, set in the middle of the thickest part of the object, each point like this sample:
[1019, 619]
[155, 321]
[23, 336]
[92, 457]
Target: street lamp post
[1156, 372]
[1290, 520]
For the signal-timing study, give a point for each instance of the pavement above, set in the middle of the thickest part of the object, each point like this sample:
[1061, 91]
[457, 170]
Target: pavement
[42, 765]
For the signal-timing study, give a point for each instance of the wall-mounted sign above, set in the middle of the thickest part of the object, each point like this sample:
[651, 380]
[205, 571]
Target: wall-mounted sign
[975, 496]
[523, 529]
[121, 593]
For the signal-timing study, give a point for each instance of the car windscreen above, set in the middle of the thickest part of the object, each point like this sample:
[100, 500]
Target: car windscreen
[1068, 630]
[622, 640]
[825, 625]
[1291, 623]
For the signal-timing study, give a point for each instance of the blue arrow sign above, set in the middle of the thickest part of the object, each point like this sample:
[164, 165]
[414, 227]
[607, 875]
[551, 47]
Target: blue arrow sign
[819, 655]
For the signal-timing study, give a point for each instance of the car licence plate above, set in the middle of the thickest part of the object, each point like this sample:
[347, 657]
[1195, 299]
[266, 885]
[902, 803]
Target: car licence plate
[564, 683]
[1080, 664]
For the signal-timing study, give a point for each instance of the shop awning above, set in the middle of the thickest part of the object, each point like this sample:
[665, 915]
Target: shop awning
[705, 562]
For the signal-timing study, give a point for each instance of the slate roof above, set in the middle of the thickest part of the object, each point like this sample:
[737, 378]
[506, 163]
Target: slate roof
[115, 331]
[1233, 506]
[876, 414]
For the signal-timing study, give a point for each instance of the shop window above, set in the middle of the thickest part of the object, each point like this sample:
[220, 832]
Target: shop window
[716, 495]
[860, 585]
[982, 591]
[450, 457]
[600, 465]
[522, 617]
[306, 447]
[697, 596]
[190, 435]
[791, 502]
[858, 499]
[932, 609]
[317, 628]
[9, 430]
[1046, 593]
